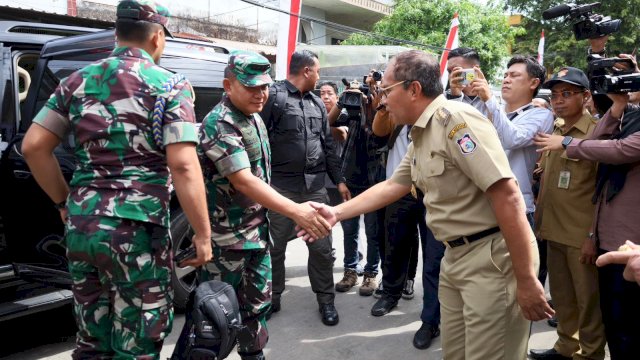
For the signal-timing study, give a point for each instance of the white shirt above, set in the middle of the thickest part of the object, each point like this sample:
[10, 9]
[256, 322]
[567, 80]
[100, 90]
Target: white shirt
[516, 137]
[398, 151]
[476, 102]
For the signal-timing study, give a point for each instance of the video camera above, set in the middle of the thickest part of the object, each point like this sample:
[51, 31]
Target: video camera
[612, 75]
[350, 99]
[589, 25]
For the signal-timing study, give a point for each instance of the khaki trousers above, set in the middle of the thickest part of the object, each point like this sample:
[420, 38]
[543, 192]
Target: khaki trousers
[576, 299]
[481, 319]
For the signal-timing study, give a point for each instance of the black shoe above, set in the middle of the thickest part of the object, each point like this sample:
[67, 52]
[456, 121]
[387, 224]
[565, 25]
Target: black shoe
[275, 307]
[553, 322]
[329, 314]
[424, 335]
[383, 306]
[257, 356]
[547, 354]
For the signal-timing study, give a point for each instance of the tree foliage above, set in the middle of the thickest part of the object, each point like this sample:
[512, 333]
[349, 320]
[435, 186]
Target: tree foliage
[561, 47]
[483, 27]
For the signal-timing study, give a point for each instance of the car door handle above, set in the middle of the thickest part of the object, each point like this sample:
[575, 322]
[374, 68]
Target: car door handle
[21, 174]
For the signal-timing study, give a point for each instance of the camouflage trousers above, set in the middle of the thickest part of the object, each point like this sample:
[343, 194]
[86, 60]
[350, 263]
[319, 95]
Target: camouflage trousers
[121, 272]
[249, 272]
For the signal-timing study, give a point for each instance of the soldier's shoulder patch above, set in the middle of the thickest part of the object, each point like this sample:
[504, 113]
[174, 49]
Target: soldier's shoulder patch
[455, 129]
[467, 144]
[443, 116]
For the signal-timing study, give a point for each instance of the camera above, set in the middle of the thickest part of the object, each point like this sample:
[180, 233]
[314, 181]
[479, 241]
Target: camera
[352, 100]
[589, 25]
[468, 75]
[612, 75]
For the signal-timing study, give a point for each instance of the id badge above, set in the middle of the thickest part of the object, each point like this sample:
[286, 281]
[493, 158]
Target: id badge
[565, 178]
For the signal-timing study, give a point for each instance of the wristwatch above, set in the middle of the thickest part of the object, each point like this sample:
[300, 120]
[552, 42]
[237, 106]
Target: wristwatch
[566, 141]
[61, 205]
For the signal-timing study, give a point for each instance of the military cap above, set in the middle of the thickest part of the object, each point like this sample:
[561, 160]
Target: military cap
[144, 10]
[250, 68]
[569, 75]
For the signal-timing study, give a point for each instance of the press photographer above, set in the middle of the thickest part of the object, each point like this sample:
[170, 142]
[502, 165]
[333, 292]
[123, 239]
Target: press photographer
[361, 165]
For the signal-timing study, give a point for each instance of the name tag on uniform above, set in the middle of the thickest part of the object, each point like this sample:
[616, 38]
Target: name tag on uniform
[565, 178]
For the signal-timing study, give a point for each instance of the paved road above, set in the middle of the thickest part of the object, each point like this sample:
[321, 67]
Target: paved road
[295, 332]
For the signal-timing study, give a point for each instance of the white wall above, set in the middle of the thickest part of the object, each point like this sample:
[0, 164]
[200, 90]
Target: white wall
[50, 6]
[318, 31]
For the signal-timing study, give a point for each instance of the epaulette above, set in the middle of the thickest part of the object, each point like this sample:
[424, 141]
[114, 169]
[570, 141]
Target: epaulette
[442, 115]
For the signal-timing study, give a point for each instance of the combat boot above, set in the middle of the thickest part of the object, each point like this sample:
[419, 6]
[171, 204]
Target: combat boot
[349, 280]
[258, 356]
[369, 284]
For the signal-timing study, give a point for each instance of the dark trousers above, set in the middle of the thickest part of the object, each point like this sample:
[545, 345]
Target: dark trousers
[620, 305]
[320, 263]
[373, 228]
[432, 253]
[400, 247]
[542, 252]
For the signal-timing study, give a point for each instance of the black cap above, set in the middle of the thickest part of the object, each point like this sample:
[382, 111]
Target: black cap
[568, 75]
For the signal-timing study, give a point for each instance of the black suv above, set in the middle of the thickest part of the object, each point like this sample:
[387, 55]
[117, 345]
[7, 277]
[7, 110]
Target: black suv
[33, 59]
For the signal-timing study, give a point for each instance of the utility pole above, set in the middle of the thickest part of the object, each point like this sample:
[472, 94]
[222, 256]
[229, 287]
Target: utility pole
[209, 12]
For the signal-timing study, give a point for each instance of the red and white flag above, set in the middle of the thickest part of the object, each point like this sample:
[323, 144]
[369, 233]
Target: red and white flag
[541, 49]
[452, 43]
[287, 36]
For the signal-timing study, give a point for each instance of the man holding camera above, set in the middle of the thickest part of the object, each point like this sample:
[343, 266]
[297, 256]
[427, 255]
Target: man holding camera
[303, 153]
[362, 168]
[564, 220]
[459, 62]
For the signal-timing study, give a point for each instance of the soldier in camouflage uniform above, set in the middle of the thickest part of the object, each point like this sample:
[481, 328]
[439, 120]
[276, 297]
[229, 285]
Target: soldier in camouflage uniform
[117, 204]
[235, 156]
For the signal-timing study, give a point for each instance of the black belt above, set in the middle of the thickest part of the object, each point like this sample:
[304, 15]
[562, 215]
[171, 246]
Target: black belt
[471, 238]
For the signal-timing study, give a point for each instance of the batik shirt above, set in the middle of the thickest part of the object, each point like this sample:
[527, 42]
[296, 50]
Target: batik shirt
[230, 141]
[107, 107]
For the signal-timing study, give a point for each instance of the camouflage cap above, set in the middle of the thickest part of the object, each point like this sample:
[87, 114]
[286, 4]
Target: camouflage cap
[144, 10]
[251, 69]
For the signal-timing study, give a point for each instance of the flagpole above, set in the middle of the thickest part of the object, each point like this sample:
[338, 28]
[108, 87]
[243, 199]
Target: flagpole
[541, 49]
[287, 36]
[452, 43]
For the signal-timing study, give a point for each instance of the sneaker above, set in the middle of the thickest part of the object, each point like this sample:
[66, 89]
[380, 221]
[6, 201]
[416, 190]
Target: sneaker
[369, 284]
[379, 291]
[407, 292]
[349, 280]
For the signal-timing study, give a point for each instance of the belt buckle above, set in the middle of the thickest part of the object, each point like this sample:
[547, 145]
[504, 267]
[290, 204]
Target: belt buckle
[457, 242]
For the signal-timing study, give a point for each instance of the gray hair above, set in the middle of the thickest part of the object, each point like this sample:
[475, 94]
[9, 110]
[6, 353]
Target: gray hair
[416, 65]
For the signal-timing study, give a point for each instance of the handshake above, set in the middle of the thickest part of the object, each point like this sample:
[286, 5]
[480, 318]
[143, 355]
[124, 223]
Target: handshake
[314, 220]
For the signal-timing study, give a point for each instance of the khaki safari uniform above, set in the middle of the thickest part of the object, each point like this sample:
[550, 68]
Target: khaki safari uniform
[454, 158]
[565, 220]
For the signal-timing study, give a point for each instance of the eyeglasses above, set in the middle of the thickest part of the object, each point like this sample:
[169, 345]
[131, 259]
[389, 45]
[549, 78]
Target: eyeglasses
[565, 94]
[386, 91]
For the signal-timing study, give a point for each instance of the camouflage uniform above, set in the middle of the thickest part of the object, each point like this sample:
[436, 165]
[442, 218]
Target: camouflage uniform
[117, 234]
[230, 141]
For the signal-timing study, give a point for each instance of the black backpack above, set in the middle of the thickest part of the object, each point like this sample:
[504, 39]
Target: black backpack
[211, 323]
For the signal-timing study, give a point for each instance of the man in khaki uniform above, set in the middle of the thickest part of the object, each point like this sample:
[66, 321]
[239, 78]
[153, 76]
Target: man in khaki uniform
[565, 219]
[488, 286]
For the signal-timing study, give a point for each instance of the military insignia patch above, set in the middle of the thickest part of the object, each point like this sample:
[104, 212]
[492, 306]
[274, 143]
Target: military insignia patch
[455, 129]
[443, 116]
[466, 144]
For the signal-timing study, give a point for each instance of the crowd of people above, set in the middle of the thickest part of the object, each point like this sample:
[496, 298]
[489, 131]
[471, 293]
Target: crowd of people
[498, 195]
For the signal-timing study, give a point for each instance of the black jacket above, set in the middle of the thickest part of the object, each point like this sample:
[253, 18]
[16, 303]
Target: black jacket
[302, 149]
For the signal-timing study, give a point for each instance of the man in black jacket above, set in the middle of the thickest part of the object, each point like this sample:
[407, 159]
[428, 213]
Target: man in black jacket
[302, 152]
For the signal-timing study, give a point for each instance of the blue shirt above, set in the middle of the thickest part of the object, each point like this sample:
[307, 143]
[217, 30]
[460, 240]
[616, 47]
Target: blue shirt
[516, 137]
